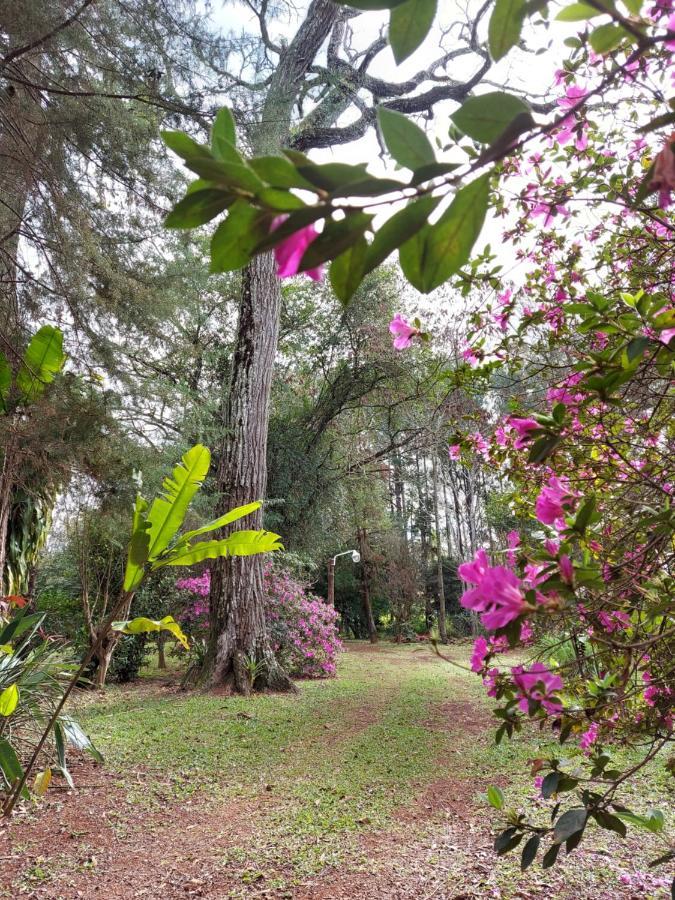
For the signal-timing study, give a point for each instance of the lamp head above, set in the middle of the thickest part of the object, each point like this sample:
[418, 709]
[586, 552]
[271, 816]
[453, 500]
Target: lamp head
[356, 556]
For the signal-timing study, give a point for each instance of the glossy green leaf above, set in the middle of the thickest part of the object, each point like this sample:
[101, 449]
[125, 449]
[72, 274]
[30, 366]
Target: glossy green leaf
[168, 510]
[143, 625]
[606, 38]
[398, 229]
[235, 239]
[486, 117]
[495, 797]
[224, 137]
[197, 208]
[347, 270]
[369, 187]
[505, 26]
[10, 765]
[139, 545]
[409, 24]
[529, 852]
[235, 176]
[432, 170]
[278, 172]
[232, 516]
[184, 146]
[241, 543]
[9, 700]
[44, 357]
[570, 823]
[440, 250]
[404, 140]
[279, 200]
[578, 12]
[550, 856]
[333, 176]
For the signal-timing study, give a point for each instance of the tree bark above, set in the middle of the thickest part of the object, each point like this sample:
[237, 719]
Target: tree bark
[365, 586]
[238, 634]
[442, 629]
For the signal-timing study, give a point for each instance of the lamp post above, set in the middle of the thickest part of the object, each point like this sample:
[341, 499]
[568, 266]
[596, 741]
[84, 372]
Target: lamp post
[356, 557]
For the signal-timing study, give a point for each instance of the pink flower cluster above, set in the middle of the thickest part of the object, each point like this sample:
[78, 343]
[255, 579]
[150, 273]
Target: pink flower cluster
[537, 685]
[553, 502]
[302, 627]
[497, 595]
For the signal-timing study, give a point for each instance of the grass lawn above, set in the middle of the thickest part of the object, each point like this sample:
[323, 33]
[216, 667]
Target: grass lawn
[368, 785]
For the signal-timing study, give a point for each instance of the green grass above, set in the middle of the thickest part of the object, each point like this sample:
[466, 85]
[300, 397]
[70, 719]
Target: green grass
[317, 771]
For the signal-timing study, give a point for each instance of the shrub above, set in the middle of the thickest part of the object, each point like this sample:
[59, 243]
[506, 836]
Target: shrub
[302, 627]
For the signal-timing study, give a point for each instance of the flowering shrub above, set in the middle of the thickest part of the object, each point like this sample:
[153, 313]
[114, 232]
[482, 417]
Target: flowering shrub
[302, 627]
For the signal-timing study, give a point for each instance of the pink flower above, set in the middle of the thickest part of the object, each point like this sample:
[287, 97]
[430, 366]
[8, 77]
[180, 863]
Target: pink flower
[589, 737]
[480, 651]
[573, 95]
[474, 571]
[663, 177]
[403, 332]
[288, 252]
[667, 335]
[498, 595]
[537, 684]
[552, 501]
[566, 569]
[670, 44]
[526, 633]
[512, 541]
[490, 682]
[524, 427]
[454, 451]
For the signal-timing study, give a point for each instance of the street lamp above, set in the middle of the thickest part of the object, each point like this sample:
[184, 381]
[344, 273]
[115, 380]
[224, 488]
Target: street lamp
[356, 558]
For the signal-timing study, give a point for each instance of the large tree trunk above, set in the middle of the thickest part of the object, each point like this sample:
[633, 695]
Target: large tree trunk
[442, 630]
[240, 656]
[365, 586]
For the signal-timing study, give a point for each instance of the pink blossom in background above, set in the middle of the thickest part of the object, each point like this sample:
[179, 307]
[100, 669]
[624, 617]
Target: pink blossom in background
[589, 737]
[288, 252]
[524, 429]
[566, 569]
[512, 542]
[403, 332]
[490, 682]
[526, 632]
[553, 501]
[469, 355]
[573, 95]
[454, 451]
[666, 335]
[480, 651]
[663, 177]
[616, 620]
[539, 684]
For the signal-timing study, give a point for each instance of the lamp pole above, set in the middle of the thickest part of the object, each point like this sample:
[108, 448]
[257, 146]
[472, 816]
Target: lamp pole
[356, 558]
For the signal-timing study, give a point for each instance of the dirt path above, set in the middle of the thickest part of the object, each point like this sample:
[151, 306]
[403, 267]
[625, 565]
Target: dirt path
[300, 835]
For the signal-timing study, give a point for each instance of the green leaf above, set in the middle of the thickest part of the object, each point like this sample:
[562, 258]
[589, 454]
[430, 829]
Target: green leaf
[578, 12]
[347, 270]
[610, 822]
[606, 38]
[224, 137]
[495, 797]
[529, 852]
[232, 175]
[336, 237]
[143, 625]
[409, 24]
[9, 700]
[583, 517]
[549, 785]
[241, 543]
[235, 239]
[44, 357]
[432, 170]
[550, 856]
[10, 765]
[232, 516]
[168, 510]
[505, 26]
[542, 448]
[278, 172]
[438, 251]
[398, 229]
[570, 823]
[333, 176]
[486, 117]
[405, 140]
[184, 146]
[5, 382]
[636, 347]
[139, 545]
[276, 199]
[369, 187]
[197, 208]
[75, 735]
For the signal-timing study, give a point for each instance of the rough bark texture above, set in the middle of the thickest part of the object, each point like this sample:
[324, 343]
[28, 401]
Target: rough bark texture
[442, 630]
[240, 656]
[365, 585]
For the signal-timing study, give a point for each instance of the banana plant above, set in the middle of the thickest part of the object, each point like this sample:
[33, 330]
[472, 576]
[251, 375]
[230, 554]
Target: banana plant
[156, 541]
[42, 360]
